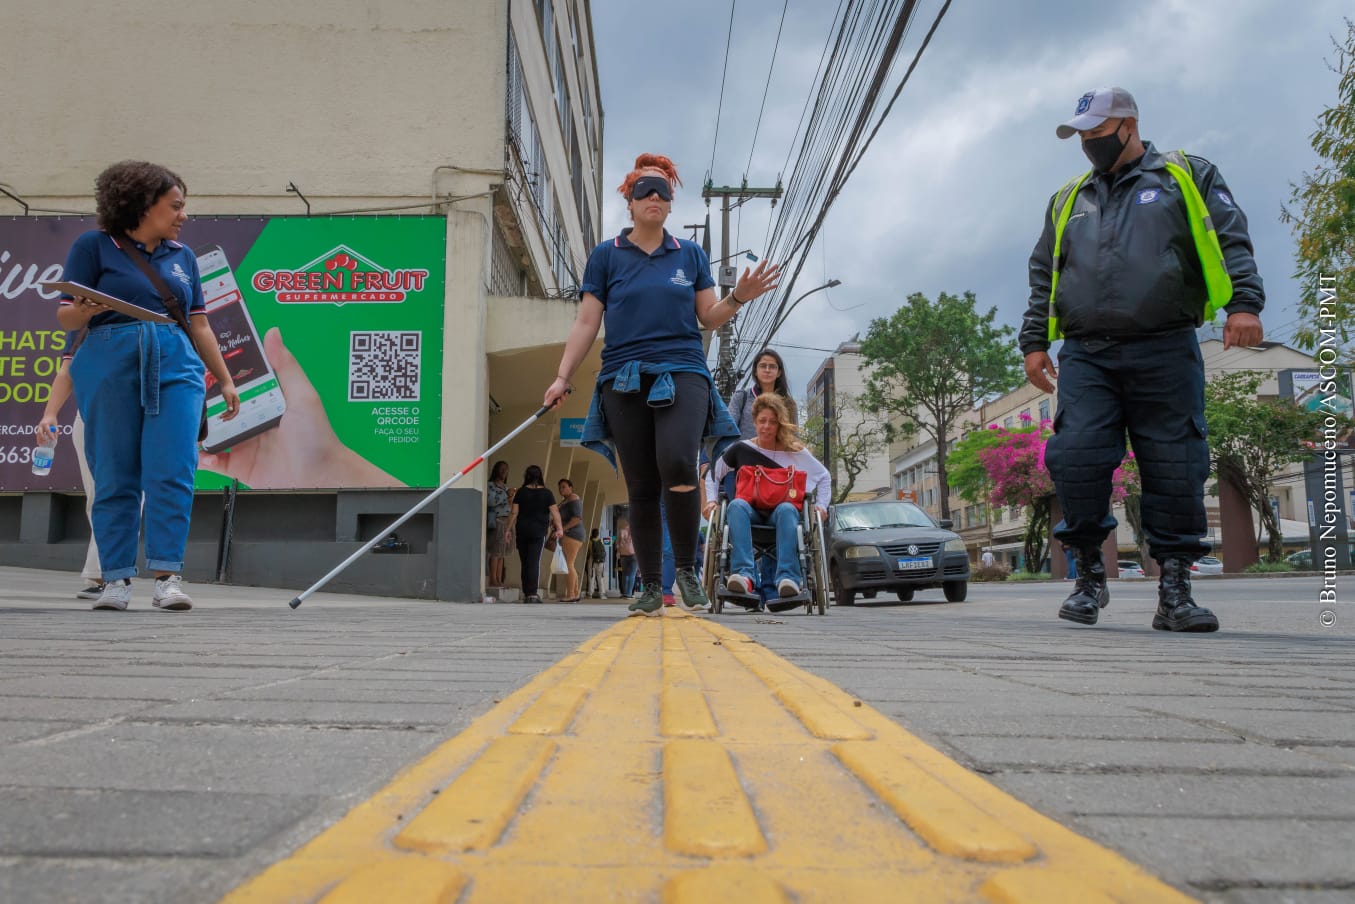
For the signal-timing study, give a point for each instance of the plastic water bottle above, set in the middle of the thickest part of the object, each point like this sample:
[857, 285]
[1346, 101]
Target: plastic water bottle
[44, 453]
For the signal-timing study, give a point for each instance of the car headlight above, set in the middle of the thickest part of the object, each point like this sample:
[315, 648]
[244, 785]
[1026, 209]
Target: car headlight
[862, 552]
[955, 545]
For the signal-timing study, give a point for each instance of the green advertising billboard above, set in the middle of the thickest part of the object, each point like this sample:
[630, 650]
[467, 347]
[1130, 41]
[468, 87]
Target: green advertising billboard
[332, 330]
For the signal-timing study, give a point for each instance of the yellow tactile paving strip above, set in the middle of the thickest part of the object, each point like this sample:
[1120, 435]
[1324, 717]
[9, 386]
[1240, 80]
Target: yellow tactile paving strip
[677, 760]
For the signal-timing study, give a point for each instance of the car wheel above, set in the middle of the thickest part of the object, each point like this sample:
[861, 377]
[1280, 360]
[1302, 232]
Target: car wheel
[956, 591]
[841, 595]
[905, 596]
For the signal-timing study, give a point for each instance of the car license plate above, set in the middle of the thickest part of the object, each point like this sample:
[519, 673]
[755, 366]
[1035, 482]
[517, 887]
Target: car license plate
[918, 563]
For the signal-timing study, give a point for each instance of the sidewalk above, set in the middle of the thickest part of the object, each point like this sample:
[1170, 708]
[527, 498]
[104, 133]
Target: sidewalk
[152, 756]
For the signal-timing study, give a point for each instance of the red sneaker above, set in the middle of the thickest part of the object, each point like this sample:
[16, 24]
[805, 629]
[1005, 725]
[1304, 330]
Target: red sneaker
[669, 600]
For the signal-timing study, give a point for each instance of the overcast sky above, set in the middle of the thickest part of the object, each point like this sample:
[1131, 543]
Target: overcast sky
[951, 193]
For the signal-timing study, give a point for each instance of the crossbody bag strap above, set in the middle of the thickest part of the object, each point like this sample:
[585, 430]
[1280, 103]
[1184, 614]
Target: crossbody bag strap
[167, 297]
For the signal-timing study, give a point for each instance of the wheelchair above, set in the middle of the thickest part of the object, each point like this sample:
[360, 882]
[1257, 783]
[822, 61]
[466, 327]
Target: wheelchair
[812, 549]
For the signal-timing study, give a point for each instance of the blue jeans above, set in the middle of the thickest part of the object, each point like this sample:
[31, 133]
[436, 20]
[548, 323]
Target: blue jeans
[627, 575]
[139, 387]
[669, 572]
[785, 517]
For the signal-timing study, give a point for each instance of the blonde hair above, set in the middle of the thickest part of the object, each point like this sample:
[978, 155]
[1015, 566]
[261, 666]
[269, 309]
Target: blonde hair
[787, 434]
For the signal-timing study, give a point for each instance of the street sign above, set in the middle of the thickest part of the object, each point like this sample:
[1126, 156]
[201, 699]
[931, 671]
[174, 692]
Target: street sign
[571, 430]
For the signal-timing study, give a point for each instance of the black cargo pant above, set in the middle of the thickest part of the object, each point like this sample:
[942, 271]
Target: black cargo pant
[1152, 389]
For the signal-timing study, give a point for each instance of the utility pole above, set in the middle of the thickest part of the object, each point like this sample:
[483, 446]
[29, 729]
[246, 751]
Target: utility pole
[729, 273]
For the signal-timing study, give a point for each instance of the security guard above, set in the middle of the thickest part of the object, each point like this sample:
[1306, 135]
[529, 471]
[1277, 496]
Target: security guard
[1134, 256]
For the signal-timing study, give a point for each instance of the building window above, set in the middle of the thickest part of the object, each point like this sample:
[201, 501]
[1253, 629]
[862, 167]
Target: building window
[1044, 410]
[506, 276]
[1007, 422]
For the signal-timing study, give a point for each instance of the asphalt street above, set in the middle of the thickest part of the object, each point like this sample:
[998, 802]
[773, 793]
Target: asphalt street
[153, 756]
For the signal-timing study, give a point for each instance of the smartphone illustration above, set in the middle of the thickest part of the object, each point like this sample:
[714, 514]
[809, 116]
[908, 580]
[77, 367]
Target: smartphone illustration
[261, 401]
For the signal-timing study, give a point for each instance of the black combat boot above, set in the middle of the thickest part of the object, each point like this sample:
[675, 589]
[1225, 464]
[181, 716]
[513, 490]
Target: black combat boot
[1091, 594]
[1176, 611]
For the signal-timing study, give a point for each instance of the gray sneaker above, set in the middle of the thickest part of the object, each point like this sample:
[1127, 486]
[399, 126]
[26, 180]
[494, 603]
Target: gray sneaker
[116, 595]
[169, 594]
[649, 603]
[693, 597]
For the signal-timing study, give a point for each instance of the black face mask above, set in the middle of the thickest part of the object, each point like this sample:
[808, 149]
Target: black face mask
[1103, 151]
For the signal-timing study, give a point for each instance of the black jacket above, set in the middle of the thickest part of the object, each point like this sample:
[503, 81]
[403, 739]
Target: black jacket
[1129, 264]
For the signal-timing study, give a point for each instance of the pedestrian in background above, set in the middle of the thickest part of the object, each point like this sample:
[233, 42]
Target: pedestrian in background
[625, 560]
[769, 375]
[654, 400]
[139, 385]
[596, 571]
[56, 400]
[571, 514]
[497, 508]
[533, 515]
[1134, 256]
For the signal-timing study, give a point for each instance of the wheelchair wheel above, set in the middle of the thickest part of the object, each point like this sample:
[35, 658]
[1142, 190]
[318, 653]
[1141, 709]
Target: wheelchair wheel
[818, 563]
[712, 568]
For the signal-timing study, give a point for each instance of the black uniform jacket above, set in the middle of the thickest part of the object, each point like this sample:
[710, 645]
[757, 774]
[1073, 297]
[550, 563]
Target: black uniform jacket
[1129, 264]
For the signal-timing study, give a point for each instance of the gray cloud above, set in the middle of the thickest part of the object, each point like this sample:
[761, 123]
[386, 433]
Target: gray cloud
[950, 195]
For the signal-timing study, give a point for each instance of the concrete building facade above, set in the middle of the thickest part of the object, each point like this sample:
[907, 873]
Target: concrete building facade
[830, 396]
[486, 113]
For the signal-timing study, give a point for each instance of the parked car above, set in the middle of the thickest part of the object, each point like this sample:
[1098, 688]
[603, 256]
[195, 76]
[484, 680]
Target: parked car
[1207, 565]
[1130, 569]
[1301, 559]
[893, 546]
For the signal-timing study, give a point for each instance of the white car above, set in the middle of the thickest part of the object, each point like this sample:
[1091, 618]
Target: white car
[1130, 569]
[1207, 565]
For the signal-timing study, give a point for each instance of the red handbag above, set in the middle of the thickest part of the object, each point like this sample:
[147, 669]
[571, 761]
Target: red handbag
[766, 488]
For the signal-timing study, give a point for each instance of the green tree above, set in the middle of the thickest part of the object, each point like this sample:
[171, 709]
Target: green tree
[855, 436]
[1251, 440]
[1322, 212]
[931, 362]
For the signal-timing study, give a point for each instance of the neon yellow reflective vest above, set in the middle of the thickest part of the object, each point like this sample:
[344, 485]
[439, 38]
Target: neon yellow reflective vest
[1216, 279]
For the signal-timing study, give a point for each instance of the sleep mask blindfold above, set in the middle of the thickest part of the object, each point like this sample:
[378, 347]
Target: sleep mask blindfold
[649, 185]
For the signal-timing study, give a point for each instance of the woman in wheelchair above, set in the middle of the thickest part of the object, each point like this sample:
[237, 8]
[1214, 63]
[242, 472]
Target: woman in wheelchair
[775, 444]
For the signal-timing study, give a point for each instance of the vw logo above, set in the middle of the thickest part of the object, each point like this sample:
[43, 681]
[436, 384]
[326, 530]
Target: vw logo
[912, 549]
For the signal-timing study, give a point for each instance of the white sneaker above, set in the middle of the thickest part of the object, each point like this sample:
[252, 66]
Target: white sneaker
[116, 595]
[169, 594]
[787, 587]
[92, 592]
[739, 584]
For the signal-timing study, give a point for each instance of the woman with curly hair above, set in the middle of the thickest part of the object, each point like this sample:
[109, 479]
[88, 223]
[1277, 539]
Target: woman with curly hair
[654, 400]
[140, 385]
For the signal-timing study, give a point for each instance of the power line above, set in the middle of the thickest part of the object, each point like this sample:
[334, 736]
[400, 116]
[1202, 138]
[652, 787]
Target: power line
[719, 107]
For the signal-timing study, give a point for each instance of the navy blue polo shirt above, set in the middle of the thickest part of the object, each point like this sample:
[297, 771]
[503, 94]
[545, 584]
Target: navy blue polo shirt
[649, 301]
[95, 260]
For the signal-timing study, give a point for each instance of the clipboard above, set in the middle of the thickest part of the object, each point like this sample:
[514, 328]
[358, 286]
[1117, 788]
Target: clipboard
[117, 304]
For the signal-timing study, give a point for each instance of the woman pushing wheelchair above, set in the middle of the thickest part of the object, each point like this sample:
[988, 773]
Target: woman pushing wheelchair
[775, 445]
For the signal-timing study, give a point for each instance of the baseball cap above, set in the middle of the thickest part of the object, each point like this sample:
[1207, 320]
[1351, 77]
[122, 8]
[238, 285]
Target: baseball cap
[1095, 107]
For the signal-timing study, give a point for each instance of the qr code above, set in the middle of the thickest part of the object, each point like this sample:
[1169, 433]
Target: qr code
[383, 366]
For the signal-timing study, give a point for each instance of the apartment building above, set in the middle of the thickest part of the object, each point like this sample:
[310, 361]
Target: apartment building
[481, 120]
[830, 395]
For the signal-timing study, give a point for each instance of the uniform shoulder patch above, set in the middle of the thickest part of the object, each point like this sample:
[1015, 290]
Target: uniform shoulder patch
[1148, 196]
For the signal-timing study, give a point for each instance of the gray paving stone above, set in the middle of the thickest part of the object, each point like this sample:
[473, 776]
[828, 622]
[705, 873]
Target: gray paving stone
[1184, 796]
[39, 880]
[95, 823]
[1008, 754]
[1268, 851]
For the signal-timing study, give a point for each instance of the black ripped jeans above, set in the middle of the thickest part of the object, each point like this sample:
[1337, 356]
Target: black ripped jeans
[659, 449]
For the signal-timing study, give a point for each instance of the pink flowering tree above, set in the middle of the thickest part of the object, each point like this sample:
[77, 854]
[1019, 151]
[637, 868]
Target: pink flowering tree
[1008, 466]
